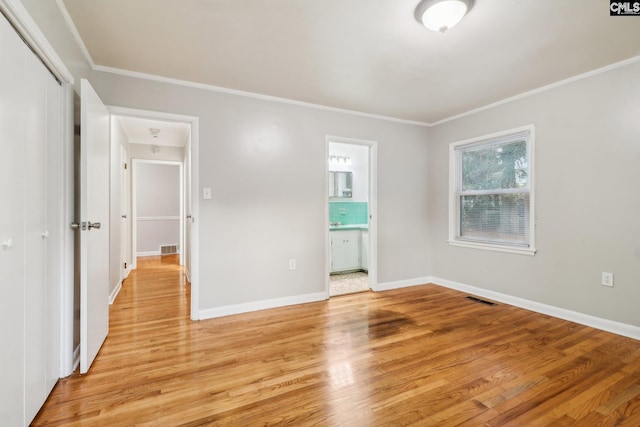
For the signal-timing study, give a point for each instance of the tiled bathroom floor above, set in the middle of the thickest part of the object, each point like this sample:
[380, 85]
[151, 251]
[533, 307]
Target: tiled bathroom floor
[349, 283]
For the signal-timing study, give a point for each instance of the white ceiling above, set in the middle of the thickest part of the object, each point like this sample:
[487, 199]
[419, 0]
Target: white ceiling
[138, 131]
[369, 56]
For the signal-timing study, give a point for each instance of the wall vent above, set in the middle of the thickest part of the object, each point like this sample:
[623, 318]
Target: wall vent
[481, 301]
[168, 250]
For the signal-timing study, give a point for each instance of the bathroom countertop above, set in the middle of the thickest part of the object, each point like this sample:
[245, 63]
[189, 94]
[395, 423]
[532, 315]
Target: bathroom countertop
[349, 227]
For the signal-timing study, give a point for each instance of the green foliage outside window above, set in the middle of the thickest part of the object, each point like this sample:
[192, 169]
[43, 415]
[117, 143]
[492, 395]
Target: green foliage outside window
[500, 166]
[499, 216]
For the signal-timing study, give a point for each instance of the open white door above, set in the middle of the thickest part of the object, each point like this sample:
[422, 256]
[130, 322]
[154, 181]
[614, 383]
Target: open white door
[125, 228]
[186, 249]
[93, 224]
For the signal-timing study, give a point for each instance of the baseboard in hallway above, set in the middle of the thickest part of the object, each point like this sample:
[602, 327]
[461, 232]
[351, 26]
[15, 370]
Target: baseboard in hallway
[157, 260]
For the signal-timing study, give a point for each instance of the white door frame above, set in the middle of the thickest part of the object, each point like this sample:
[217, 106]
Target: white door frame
[125, 213]
[373, 207]
[134, 205]
[195, 209]
[68, 354]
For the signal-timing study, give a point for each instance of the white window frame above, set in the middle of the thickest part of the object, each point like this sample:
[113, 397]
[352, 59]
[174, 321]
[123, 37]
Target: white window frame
[454, 193]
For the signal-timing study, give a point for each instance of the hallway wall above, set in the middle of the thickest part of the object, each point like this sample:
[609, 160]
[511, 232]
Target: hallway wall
[157, 196]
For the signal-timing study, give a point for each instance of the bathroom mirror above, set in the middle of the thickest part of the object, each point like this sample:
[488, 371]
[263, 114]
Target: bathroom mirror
[340, 185]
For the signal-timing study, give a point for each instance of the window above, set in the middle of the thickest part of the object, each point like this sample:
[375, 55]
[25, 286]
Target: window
[491, 203]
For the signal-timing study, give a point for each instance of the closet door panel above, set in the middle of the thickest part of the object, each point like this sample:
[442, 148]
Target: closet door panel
[35, 235]
[55, 228]
[12, 126]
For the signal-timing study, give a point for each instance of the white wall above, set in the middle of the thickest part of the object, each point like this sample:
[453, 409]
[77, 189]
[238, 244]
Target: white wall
[266, 165]
[359, 156]
[157, 196]
[588, 203]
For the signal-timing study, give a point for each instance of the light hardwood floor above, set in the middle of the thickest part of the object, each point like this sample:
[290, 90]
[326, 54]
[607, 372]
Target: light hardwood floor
[421, 356]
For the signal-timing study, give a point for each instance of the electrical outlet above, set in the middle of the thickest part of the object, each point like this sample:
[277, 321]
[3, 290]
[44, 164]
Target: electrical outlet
[292, 264]
[206, 193]
[607, 279]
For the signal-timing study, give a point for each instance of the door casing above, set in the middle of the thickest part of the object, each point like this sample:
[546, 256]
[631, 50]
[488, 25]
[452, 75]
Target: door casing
[134, 208]
[373, 207]
[193, 150]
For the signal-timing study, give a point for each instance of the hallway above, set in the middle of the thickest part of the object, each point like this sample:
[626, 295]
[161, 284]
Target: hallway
[149, 323]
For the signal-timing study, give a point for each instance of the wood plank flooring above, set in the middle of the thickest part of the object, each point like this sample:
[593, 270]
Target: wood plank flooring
[422, 356]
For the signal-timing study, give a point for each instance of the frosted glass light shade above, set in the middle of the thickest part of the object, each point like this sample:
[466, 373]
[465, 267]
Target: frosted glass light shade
[440, 15]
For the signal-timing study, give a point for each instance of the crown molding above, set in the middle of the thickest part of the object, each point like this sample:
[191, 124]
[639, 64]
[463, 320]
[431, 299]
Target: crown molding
[254, 95]
[75, 33]
[541, 89]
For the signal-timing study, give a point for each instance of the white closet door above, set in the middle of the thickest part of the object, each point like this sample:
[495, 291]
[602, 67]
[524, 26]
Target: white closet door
[12, 127]
[35, 217]
[56, 228]
[30, 229]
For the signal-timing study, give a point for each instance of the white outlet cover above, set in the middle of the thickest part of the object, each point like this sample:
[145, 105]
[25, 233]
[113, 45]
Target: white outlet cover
[206, 193]
[607, 279]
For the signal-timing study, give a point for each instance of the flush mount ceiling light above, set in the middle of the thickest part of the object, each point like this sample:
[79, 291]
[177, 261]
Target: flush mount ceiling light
[440, 15]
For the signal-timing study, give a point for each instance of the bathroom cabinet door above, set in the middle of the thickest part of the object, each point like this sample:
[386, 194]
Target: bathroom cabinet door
[345, 250]
[364, 250]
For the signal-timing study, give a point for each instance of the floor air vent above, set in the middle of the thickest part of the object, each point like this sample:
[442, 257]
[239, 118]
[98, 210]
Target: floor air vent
[481, 301]
[168, 250]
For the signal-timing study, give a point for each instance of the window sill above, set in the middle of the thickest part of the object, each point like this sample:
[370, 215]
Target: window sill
[495, 248]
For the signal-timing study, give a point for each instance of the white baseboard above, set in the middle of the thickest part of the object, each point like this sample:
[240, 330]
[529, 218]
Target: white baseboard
[76, 358]
[623, 329]
[115, 292]
[153, 253]
[618, 328]
[386, 286]
[261, 305]
[187, 274]
[148, 253]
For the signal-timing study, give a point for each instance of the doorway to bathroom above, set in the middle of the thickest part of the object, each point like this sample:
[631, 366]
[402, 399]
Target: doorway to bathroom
[351, 219]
